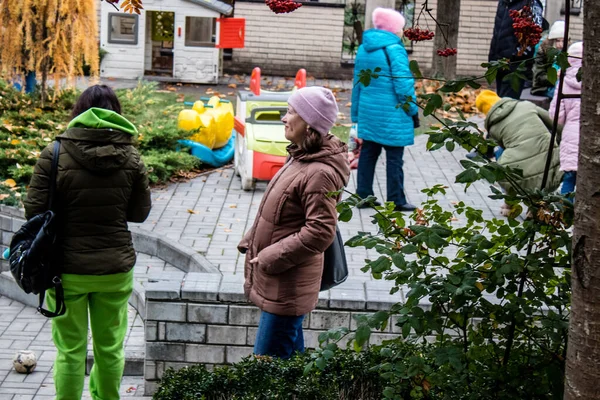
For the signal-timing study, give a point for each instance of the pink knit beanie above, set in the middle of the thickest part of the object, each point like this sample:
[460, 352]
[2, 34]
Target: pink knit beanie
[388, 20]
[316, 106]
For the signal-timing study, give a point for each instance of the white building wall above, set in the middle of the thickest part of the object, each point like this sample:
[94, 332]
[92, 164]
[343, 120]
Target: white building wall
[191, 64]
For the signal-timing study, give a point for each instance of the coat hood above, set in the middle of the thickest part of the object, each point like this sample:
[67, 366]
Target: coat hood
[99, 140]
[375, 39]
[499, 111]
[334, 153]
[99, 118]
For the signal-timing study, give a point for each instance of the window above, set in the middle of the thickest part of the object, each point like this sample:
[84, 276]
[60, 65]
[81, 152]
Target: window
[200, 31]
[122, 28]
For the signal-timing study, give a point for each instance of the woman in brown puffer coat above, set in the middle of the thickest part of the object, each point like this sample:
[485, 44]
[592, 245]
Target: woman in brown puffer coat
[295, 224]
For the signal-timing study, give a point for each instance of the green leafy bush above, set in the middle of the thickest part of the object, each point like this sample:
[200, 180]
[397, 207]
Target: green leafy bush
[163, 164]
[348, 375]
[26, 128]
[487, 299]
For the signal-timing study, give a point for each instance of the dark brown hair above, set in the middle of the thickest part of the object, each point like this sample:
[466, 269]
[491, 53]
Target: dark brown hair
[100, 96]
[312, 141]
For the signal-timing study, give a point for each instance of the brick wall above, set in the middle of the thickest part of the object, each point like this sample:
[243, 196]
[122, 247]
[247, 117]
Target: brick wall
[280, 44]
[207, 320]
[475, 34]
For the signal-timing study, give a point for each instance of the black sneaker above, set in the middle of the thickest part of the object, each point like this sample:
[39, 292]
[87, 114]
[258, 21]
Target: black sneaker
[406, 208]
[369, 205]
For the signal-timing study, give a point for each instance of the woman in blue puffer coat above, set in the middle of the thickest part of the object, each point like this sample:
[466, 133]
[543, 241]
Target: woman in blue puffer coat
[384, 109]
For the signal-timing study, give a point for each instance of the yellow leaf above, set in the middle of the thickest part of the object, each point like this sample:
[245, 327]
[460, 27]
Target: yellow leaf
[10, 183]
[233, 206]
[479, 286]
[192, 212]
[15, 142]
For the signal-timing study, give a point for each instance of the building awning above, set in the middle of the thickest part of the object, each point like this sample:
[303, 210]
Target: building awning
[214, 5]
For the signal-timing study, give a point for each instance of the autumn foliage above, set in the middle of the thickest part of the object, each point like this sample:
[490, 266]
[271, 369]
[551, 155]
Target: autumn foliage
[51, 37]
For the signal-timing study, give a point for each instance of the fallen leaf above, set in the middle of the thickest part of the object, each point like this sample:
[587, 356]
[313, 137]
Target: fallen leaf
[233, 206]
[130, 389]
[3, 196]
[232, 85]
[180, 98]
[192, 212]
[10, 183]
[15, 142]
[349, 104]
[227, 230]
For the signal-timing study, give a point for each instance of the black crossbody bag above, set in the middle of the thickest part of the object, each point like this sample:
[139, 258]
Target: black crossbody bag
[32, 251]
[335, 267]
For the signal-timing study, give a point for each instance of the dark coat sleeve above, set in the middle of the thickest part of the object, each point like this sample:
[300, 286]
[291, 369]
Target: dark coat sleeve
[36, 201]
[140, 203]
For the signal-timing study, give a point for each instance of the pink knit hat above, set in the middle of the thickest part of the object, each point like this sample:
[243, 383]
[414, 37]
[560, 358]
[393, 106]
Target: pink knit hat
[388, 20]
[316, 106]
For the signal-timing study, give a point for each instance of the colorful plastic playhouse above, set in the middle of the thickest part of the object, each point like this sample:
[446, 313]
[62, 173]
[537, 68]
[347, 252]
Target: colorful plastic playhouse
[260, 144]
[211, 126]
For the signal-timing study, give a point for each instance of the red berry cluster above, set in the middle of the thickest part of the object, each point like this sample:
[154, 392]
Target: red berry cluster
[447, 52]
[418, 35]
[528, 33]
[283, 6]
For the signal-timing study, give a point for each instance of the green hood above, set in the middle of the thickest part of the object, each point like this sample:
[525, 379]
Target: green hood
[99, 118]
[99, 140]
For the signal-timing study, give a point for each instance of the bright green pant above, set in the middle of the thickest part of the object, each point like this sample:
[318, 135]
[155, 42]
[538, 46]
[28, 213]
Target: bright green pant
[104, 298]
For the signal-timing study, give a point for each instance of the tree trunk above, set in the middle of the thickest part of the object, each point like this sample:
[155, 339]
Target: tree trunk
[583, 355]
[446, 35]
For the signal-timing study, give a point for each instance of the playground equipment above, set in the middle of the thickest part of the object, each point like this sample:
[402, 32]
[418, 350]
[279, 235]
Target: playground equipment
[211, 124]
[260, 143]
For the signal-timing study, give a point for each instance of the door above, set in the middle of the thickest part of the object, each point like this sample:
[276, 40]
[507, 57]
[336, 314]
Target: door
[159, 56]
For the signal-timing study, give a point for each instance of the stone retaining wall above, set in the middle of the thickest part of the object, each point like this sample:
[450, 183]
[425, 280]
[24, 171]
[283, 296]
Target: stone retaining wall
[205, 319]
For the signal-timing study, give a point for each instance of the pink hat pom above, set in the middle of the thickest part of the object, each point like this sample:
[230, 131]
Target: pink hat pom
[388, 20]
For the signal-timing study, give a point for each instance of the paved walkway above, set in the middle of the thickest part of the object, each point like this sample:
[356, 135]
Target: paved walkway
[22, 328]
[211, 213]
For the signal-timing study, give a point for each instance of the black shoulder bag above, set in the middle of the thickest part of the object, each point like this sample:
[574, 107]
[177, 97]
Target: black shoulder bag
[335, 267]
[32, 252]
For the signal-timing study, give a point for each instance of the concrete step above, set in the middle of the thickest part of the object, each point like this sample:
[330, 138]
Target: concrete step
[134, 363]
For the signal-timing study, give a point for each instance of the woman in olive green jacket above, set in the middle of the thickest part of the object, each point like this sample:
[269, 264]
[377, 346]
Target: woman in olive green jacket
[101, 184]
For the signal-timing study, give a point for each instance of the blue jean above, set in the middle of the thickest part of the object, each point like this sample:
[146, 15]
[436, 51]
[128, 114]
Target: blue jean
[279, 335]
[369, 153]
[568, 182]
[498, 150]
